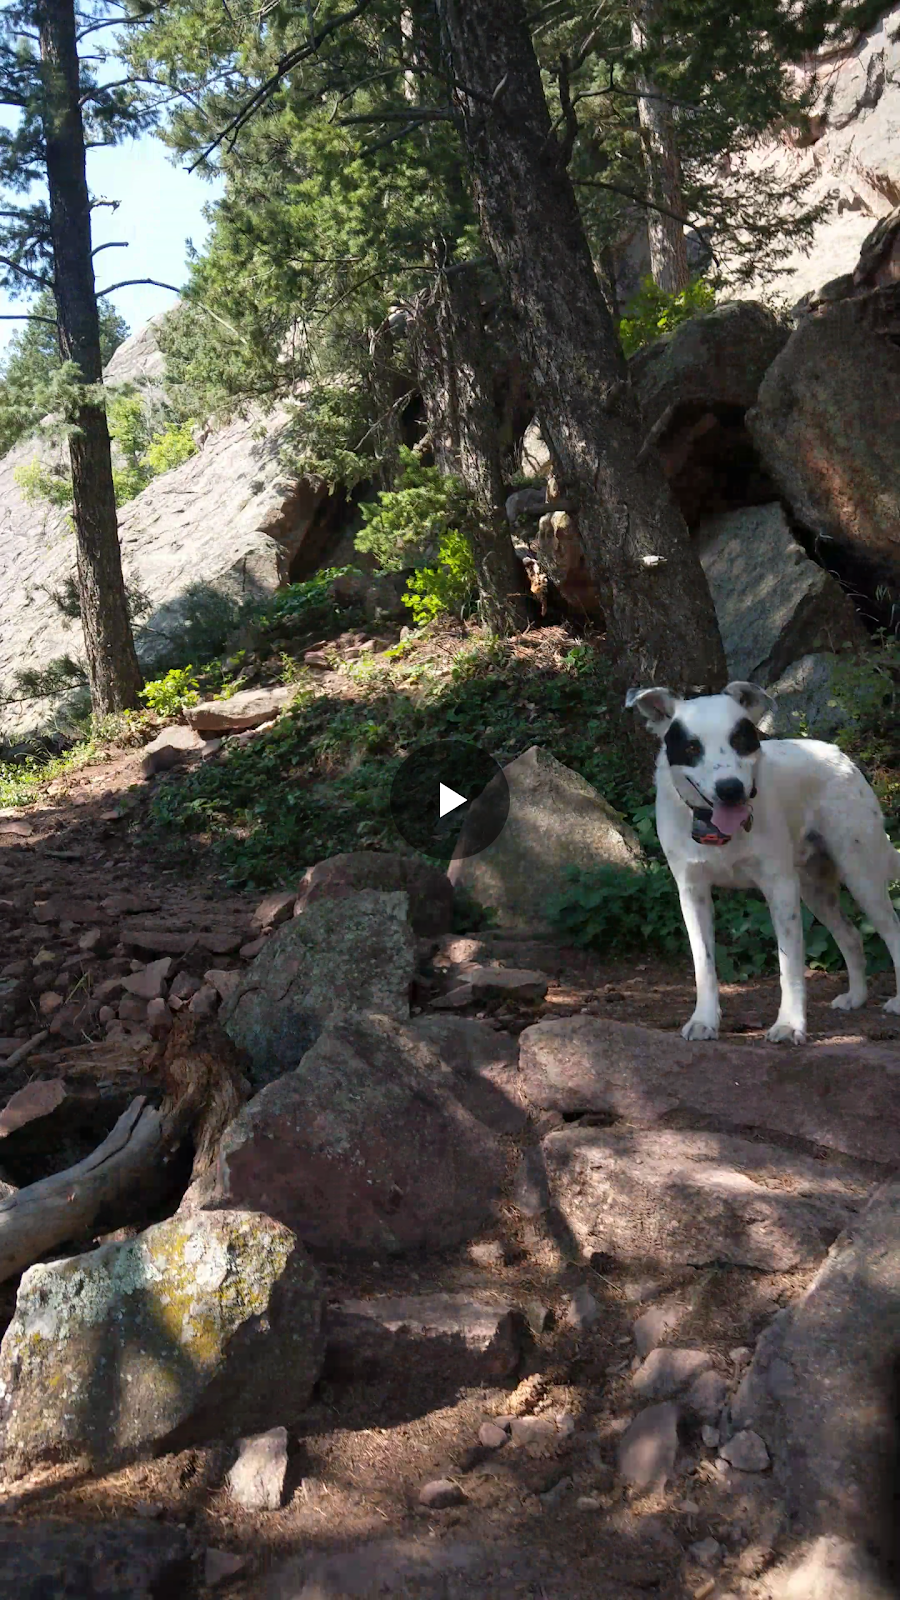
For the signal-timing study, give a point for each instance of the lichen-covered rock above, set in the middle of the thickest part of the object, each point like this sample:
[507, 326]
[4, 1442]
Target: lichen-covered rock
[203, 1326]
[364, 1149]
[358, 953]
[430, 890]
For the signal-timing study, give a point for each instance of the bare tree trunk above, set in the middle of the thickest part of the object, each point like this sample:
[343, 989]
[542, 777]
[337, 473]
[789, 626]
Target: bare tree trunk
[660, 617]
[668, 246]
[113, 670]
[456, 362]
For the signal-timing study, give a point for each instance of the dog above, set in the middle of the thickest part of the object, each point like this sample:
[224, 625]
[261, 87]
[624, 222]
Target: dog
[792, 817]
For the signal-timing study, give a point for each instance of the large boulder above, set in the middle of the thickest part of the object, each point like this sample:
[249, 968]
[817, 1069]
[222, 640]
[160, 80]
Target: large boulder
[556, 820]
[430, 890]
[364, 1149]
[358, 952]
[203, 1326]
[694, 386]
[773, 604]
[805, 701]
[822, 1391]
[840, 1094]
[689, 1199]
[835, 455]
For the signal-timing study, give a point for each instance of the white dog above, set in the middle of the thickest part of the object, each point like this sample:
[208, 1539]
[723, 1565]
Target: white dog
[792, 817]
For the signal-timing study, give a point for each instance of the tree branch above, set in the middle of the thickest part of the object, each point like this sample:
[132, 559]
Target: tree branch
[130, 283]
[27, 316]
[114, 244]
[34, 277]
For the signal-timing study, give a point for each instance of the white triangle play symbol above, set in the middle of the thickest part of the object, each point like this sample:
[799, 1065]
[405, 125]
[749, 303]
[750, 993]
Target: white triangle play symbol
[449, 800]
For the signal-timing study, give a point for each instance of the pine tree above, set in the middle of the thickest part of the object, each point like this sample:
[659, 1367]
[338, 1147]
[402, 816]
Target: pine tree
[46, 244]
[32, 360]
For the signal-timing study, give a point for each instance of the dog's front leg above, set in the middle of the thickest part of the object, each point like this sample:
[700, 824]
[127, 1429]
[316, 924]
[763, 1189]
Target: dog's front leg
[783, 898]
[697, 910]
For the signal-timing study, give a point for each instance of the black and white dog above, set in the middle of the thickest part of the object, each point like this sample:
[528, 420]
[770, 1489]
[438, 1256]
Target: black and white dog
[792, 817]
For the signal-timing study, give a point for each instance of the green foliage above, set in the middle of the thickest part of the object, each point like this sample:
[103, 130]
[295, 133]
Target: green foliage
[170, 695]
[405, 521]
[621, 911]
[653, 312]
[142, 452]
[449, 588]
[867, 688]
[37, 481]
[68, 602]
[169, 449]
[32, 361]
[58, 677]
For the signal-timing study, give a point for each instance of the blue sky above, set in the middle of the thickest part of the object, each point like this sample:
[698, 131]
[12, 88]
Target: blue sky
[161, 207]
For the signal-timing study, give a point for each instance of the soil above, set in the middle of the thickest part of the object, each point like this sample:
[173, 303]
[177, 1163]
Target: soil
[367, 1449]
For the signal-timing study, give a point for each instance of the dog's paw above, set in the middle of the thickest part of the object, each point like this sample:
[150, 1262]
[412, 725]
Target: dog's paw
[696, 1029]
[892, 1007]
[848, 1001]
[783, 1033]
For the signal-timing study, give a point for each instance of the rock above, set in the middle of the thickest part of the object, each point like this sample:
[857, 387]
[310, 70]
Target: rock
[49, 1002]
[485, 1064]
[556, 820]
[665, 1372]
[275, 909]
[441, 1493]
[506, 983]
[150, 983]
[221, 1564]
[132, 1009]
[184, 986]
[706, 1552]
[551, 1498]
[248, 951]
[121, 1558]
[532, 1430]
[430, 891]
[492, 1437]
[746, 1452]
[455, 999]
[693, 387]
[246, 709]
[204, 1002]
[839, 1093]
[560, 554]
[688, 1199]
[209, 1324]
[773, 604]
[365, 1337]
[706, 1397]
[36, 1100]
[829, 1568]
[655, 1325]
[221, 941]
[802, 418]
[225, 983]
[257, 1478]
[358, 952]
[362, 1148]
[530, 1192]
[158, 941]
[159, 1018]
[821, 1389]
[649, 1445]
[528, 502]
[169, 748]
[805, 704]
[583, 1310]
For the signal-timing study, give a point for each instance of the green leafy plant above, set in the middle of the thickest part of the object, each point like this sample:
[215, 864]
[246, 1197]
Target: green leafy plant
[654, 312]
[169, 695]
[169, 449]
[446, 589]
[37, 481]
[421, 510]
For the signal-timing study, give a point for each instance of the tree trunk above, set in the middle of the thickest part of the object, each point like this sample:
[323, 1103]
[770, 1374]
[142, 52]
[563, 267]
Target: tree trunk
[453, 354]
[113, 670]
[661, 624]
[668, 246]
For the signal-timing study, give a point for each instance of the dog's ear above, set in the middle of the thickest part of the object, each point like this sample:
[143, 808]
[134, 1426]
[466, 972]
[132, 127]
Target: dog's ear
[751, 699]
[657, 706]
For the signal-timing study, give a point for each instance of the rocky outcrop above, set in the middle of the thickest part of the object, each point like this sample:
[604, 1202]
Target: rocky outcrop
[200, 1319]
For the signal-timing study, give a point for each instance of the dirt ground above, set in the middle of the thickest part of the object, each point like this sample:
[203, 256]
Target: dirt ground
[366, 1450]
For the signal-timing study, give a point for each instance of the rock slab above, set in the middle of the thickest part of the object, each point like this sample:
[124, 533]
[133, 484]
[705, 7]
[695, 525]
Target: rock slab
[430, 890]
[367, 1336]
[200, 1327]
[358, 952]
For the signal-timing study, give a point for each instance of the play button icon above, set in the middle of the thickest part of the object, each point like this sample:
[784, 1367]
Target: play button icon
[449, 798]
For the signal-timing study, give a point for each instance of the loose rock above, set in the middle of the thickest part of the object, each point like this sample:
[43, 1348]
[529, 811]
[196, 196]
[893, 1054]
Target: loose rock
[665, 1372]
[648, 1447]
[746, 1452]
[257, 1478]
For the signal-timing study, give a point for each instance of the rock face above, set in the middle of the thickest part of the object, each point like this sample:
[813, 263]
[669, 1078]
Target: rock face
[201, 1325]
[813, 426]
[687, 1199]
[773, 604]
[840, 1093]
[556, 820]
[804, 700]
[429, 890]
[822, 1388]
[364, 1148]
[358, 952]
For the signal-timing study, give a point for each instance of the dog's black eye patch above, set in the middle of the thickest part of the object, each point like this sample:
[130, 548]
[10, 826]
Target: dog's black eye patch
[744, 738]
[683, 748]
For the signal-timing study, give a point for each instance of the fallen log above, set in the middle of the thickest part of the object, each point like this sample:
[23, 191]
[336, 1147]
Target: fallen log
[201, 1071]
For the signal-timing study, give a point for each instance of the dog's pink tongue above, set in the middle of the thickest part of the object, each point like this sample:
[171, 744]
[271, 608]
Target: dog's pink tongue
[729, 818]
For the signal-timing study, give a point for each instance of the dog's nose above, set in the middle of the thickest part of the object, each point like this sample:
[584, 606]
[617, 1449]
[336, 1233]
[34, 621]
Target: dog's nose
[730, 791]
